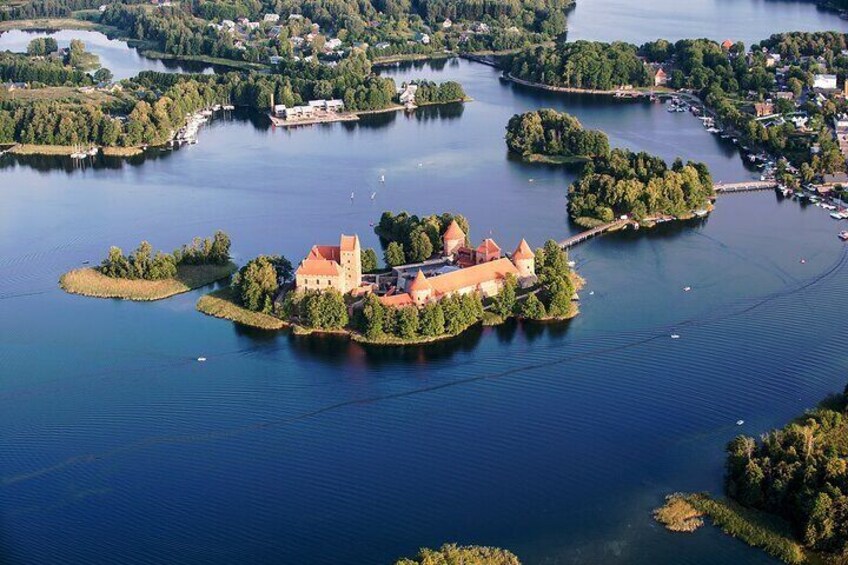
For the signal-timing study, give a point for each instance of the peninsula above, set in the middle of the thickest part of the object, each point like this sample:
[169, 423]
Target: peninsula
[144, 275]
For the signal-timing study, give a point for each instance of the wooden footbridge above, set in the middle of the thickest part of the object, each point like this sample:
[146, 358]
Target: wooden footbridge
[748, 186]
[589, 234]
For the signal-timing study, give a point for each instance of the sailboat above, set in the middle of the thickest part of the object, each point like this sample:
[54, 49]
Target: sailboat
[382, 178]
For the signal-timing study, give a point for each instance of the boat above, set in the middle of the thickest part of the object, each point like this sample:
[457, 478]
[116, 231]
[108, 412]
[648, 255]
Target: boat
[229, 107]
[675, 336]
[843, 235]
[373, 194]
[201, 359]
[382, 178]
[740, 422]
[713, 130]
[351, 196]
[836, 216]
[701, 213]
[687, 288]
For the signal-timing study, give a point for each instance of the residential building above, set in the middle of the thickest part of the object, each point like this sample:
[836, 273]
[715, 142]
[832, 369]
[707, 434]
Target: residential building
[762, 109]
[332, 266]
[824, 82]
[660, 77]
[271, 18]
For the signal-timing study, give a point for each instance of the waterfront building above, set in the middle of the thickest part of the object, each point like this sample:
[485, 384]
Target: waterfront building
[332, 266]
[660, 77]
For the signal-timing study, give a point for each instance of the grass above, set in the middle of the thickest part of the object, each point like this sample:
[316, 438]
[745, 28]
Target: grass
[90, 282]
[53, 23]
[678, 515]
[58, 93]
[221, 304]
[243, 65]
[556, 159]
[122, 151]
[755, 528]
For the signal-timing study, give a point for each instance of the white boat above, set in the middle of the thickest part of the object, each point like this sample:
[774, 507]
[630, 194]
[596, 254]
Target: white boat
[201, 359]
[229, 107]
[836, 215]
[843, 235]
[713, 130]
[675, 336]
[687, 288]
[373, 195]
[382, 178]
[351, 196]
[740, 422]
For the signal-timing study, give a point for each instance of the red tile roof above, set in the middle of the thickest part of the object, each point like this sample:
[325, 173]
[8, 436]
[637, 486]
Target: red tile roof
[397, 300]
[523, 251]
[454, 231]
[326, 252]
[349, 242]
[472, 276]
[420, 283]
[319, 267]
[488, 247]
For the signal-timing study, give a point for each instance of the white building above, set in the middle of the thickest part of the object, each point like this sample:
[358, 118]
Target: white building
[824, 82]
[332, 44]
[271, 18]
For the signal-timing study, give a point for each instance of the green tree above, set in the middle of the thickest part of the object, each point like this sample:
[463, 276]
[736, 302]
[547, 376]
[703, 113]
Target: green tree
[407, 322]
[374, 315]
[532, 308]
[432, 320]
[394, 255]
[503, 303]
[420, 247]
[369, 260]
[256, 284]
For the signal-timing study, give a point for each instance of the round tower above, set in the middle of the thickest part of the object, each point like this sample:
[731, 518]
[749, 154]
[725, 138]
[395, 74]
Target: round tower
[524, 260]
[453, 239]
[420, 289]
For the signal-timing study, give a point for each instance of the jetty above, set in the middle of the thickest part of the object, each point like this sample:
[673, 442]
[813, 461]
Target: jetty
[589, 234]
[746, 186]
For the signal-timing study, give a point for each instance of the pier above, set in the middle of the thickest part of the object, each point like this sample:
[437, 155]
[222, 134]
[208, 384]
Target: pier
[749, 186]
[589, 234]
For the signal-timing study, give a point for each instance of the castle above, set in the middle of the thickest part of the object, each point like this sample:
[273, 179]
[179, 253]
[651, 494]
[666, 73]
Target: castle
[332, 266]
[461, 270]
[482, 270]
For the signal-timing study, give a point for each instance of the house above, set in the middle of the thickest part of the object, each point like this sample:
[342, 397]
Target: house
[382, 45]
[406, 95]
[422, 38]
[447, 24]
[332, 44]
[295, 16]
[229, 24]
[772, 59]
[660, 77]
[271, 18]
[785, 95]
[12, 86]
[275, 59]
[836, 178]
[824, 82]
[297, 112]
[332, 266]
[762, 109]
[726, 44]
[335, 105]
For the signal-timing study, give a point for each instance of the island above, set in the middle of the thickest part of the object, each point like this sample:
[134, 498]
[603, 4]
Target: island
[144, 275]
[787, 492]
[434, 289]
[781, 101]
[451, 553]
[548, 136]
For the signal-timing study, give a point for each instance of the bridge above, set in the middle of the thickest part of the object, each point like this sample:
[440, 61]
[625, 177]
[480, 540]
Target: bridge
[747, 186]
[589, 234]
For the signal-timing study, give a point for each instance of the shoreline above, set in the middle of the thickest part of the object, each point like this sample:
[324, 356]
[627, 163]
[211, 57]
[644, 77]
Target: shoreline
[630, 92]
[88, 281]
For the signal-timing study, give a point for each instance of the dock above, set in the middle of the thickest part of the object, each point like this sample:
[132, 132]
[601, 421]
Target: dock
[747, 186]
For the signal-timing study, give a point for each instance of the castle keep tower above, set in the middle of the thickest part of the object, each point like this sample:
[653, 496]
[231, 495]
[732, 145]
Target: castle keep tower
[524, 260]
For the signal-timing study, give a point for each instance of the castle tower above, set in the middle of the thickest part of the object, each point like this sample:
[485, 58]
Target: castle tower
[524, 260]
[453, 239]
[350, 259]
[420, 289]
[488, 251]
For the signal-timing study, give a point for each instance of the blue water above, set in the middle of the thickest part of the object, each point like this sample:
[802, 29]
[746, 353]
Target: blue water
[554, 441]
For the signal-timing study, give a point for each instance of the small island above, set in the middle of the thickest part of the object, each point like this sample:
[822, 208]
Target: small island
[787, 493]
[548, 136]
[435, 285]
[144, 275]
[641, 187]
[470, 554]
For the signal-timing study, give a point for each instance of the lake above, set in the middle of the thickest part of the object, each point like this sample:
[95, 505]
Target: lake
[555, 441]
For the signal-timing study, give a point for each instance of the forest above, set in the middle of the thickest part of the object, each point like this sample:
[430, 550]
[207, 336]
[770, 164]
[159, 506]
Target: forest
[552, 133]
[639, 185]
[800, 473]
[430, 92]
[582, 64]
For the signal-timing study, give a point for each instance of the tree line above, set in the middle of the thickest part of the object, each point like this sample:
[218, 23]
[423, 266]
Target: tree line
[640, 185]
[799, 472]
[143, 263]
[51, 8]
[450, 316]
[20, 68]
[548, 132]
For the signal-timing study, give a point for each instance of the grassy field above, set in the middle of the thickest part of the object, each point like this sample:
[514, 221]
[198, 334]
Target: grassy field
[556, 159]
[755, 528]
[55, 23]
[122, 151]
[89, 282]
[221, 304]
[63, 93]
